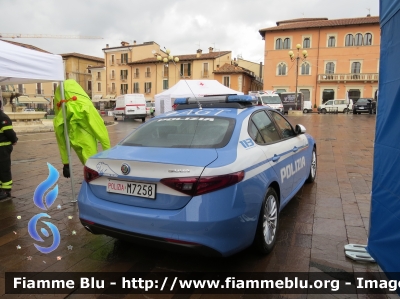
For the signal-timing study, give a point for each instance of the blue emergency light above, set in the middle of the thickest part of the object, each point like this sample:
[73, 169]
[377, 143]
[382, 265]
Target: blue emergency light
[240, 99]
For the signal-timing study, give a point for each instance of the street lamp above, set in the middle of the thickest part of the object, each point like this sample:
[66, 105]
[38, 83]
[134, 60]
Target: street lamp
[297, 58]
[167, 60]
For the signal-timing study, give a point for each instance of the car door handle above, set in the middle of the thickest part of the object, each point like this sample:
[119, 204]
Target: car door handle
[295, 149]
[275, 158]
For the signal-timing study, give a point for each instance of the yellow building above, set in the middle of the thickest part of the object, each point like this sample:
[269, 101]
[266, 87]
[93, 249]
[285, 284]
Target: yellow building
[79, 67]
[238, 78]
[342, 56]
[134, 68]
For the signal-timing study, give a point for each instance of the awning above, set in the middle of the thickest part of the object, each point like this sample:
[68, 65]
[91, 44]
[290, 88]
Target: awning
[97, 98]
[32, 100]
[110, 96]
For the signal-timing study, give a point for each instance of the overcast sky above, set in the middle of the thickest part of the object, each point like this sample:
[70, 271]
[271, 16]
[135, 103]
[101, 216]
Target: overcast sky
[180, 25]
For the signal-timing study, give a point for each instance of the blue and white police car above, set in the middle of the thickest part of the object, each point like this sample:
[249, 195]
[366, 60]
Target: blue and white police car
[211, 176]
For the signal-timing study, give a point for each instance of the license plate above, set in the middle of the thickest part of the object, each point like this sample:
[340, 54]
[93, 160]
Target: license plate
[361, 107]
[132, 188]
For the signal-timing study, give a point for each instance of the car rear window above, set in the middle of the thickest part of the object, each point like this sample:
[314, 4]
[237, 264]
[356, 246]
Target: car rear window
[183, 132]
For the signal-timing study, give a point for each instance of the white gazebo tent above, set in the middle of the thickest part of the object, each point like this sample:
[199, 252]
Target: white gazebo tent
[20, 65]
[190, 88]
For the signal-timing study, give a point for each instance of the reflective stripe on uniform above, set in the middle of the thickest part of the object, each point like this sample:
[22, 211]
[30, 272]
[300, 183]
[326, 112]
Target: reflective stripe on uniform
[5, 128]
[6, 185]
[5, 143]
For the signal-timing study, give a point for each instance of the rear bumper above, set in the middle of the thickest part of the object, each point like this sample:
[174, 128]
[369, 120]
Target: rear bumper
[200, 226]
[365, 110]
[145, 240]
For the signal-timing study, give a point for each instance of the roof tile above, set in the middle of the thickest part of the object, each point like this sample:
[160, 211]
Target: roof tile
[296, 24]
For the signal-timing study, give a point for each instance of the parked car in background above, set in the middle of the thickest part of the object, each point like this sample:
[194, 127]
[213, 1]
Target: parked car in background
[307, 107]
[333, 106]
[268, 98]
[364, 105]
[210, 177]
[130, 106]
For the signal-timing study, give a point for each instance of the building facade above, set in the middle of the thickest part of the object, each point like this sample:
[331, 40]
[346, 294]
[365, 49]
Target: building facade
[79, 67]
[342, 56]
[134, 68]
[238, 78]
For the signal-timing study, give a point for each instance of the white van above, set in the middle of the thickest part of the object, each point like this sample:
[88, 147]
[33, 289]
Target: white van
[268, 98]
[130, 106]
[334, 106]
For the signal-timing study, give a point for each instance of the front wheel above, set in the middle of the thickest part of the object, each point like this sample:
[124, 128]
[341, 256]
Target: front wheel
[267, 227]
[345, 110]
[313, 167]
[115, 118]
[323, 111]
[305, 111]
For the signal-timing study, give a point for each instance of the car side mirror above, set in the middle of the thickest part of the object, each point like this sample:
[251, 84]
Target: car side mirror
[299, 129]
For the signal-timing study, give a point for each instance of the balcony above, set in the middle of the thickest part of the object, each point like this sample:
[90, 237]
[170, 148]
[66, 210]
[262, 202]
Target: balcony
[124, 91]
[369, 77]
[147, 74]
[135, 75]
[204, 74]
[124, 78]
[39, 91]
[123, 61]
[111, 90]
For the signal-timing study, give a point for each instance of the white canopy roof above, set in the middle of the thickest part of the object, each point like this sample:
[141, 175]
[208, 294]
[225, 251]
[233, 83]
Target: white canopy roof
[190, 88]
[21, 65]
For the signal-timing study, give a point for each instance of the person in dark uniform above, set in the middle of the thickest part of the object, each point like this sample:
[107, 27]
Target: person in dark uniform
[8, 138]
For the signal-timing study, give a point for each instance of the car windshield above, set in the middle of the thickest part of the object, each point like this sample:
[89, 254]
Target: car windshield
[183, 132]
[363, 101]
[275, 99]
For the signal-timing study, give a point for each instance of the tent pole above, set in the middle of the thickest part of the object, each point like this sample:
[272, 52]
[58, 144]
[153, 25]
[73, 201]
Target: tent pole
[67, 141]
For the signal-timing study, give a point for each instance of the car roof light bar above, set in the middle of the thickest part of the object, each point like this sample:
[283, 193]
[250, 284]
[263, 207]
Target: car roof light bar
[242, 99]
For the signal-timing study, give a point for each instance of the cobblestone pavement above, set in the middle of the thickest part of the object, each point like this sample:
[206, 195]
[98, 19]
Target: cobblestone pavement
[314, 226]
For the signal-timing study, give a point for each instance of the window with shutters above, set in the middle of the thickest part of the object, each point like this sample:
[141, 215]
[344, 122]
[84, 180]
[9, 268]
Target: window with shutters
[185, 70]
[147, 87]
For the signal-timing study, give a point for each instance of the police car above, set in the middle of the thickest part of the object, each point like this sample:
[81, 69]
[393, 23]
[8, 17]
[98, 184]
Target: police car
[211, 176]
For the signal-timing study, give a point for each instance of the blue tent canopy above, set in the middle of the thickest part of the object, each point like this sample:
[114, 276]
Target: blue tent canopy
[384, 234]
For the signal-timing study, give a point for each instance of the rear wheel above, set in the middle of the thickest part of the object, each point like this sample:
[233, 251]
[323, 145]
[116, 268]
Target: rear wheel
[345, 110]
[305, 111]
[267, 227]
[313, 167]
[115, 118]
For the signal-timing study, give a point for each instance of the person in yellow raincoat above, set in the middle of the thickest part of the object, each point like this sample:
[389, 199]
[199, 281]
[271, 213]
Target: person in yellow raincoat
[85, 125]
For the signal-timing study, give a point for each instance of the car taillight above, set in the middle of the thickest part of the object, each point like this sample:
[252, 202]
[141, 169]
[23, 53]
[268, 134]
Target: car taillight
[196, 186]
[90, 174]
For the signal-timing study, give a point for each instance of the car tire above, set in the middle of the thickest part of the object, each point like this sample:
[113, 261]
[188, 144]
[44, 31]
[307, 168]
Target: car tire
[305, 111]
[323, 111]
[115, 118]
[313, 167]
[143, 119]
[267, 227]
[344, 110]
